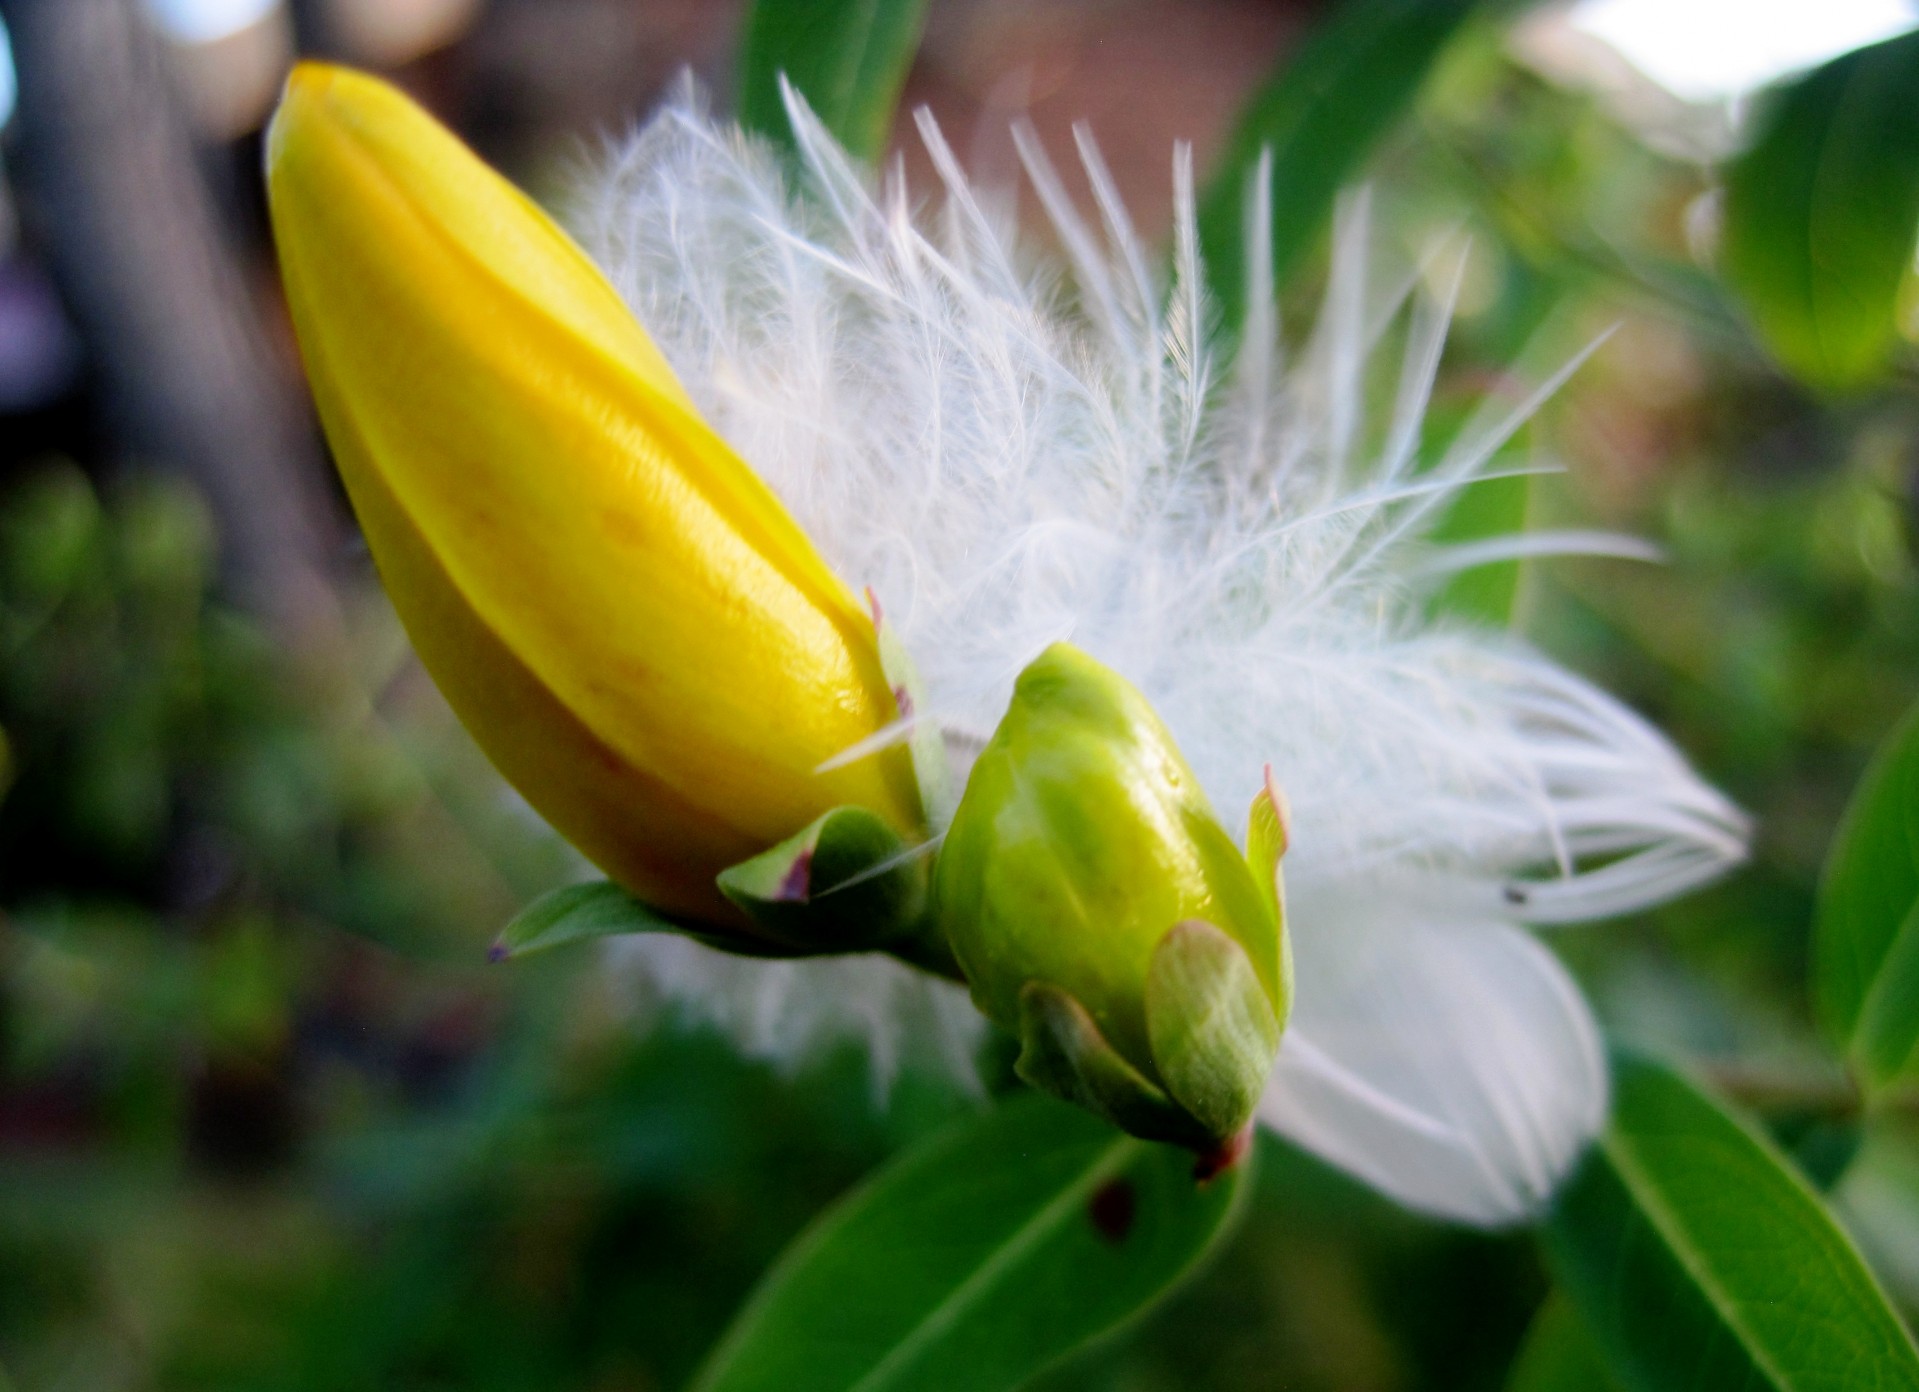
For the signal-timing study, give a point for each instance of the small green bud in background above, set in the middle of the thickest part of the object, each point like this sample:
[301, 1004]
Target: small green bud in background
[1101, 912]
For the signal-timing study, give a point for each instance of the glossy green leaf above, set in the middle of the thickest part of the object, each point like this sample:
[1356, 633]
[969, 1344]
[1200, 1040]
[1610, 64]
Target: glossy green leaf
[1822, 215]
[1321, 115]
[848, 58]
[974, 1261]
[1866, 944]
[577, 913]
[1699, 1258]
[1559, 1354]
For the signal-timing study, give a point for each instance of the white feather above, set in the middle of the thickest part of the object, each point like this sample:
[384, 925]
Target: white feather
[1442, 1056]
[791, 1011]
[1008, 456]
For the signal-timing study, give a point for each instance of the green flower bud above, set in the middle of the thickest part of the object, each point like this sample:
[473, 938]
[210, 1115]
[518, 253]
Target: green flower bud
[1101, 912]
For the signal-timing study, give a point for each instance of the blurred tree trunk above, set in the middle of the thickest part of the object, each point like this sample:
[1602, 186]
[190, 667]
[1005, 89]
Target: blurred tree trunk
[109, 173]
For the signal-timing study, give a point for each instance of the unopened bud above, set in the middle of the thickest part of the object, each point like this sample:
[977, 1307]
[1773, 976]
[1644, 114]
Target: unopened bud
[1100, 911]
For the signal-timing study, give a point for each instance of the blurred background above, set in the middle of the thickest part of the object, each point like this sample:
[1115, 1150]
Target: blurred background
[268, 1120]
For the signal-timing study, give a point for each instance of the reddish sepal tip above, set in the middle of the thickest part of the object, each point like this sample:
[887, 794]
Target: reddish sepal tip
[796, 886]
[1223, 1157]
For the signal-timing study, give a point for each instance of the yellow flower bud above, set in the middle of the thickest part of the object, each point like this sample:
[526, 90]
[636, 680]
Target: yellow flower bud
[628, 621]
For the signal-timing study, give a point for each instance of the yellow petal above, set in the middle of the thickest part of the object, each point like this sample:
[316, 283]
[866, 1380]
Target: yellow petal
[627, 619]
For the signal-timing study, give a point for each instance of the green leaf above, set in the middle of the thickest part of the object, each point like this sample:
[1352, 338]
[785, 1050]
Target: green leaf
[1559, 1354]
[1866, 939]
[974, 1261]
[1487, 507]
[1699, 1258]
[1483, 509]
[1321, 115]
[577, 913]
[848, 58]
[1822, 215]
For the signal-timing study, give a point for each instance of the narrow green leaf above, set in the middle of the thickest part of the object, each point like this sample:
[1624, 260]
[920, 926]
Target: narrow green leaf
[974, 1261]
[1321, 115]
[1699, 1258]
[1559, 1354]
[1822, 215]
[598, 909]
[1866, 940]
[1488, 508]
[848, 58]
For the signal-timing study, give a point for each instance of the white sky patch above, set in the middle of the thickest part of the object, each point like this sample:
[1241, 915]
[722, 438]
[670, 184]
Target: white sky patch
[1713, 50]
[203, 21]
[9, 88]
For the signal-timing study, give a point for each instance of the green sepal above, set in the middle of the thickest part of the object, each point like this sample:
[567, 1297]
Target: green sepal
[1062, 1052]
[579, 913]
[924, 743]
[1212, 1029]
[847, 883]
[1269, 831]
[602, 909]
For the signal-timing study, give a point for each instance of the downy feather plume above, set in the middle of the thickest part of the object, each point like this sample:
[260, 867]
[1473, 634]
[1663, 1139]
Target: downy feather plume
[1008, 454]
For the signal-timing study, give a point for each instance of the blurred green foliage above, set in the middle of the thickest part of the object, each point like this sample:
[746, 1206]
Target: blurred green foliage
[1820, 213]
[1317, 118]
[267, 1117]
[847, 58]
[1866, 951]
